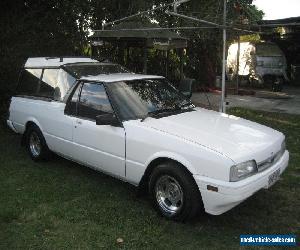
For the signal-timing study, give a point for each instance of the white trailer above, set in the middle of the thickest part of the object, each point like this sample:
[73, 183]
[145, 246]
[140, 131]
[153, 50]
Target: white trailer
[261, 62]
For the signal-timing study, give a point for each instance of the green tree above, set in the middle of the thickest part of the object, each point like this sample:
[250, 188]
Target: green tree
[39, 28]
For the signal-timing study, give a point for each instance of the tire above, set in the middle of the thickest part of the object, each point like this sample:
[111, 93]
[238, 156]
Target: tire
[277, 85]
[36, 144]
[174, 192]
[252, 82]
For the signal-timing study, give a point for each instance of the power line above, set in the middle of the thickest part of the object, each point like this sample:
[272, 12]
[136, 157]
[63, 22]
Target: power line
[160, 28]
[137, 14]
[211, 23]
[276, 25]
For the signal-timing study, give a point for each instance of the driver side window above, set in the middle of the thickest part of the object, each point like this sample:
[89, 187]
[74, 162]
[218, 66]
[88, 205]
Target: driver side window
[93, 101]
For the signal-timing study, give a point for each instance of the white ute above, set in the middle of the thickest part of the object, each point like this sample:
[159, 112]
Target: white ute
[140, 129]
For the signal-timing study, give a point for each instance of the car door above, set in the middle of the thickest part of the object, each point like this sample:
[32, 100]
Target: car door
[99, 146]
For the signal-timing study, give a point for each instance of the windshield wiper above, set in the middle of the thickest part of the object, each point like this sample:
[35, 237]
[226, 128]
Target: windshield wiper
[186, 104]
[160, 111]
[176, 108]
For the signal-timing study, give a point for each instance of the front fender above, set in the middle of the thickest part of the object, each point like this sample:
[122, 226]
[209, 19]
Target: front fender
[172, 156]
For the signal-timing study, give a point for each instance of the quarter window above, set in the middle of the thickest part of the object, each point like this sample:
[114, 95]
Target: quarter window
[93, 101]
[29, 81]
[49, 83]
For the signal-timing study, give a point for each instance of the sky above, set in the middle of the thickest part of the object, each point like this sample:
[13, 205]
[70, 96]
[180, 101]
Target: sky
[276, 9]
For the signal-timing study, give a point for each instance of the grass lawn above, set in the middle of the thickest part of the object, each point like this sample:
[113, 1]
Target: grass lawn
[59, 204]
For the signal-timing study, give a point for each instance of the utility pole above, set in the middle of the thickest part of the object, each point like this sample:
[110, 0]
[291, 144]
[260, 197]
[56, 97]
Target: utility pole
[223, 104]
[238, 65]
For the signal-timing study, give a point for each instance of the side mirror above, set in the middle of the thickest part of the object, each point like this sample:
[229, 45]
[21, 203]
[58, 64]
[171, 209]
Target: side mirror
[186, 87]
[187, 94]
[107, 119]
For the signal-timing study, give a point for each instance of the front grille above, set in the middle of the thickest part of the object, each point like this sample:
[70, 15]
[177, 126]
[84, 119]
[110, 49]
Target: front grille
[271, 160]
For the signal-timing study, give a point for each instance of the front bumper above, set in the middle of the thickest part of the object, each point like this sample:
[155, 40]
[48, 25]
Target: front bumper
[230, 194]
[11, 126]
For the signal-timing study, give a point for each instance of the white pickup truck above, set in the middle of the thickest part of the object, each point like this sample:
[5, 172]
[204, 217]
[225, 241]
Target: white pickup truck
[140, 129]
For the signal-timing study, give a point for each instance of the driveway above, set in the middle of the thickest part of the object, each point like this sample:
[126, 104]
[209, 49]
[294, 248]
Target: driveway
[287, 101]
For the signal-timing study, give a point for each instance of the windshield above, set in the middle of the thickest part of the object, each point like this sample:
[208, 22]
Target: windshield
[268, 50]
[136, 99]
[94, 69]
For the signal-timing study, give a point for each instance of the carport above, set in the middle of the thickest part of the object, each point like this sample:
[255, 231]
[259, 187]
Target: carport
[150, 35]
[142, 35]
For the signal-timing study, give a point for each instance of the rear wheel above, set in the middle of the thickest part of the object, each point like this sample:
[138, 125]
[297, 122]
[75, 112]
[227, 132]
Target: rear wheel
[277, 85]
[36, 144]
[253, 82]
[174, 192]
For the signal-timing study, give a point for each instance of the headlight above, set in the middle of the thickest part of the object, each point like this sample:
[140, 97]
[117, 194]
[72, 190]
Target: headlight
[283, 146]
[243, 170]
[282, 150]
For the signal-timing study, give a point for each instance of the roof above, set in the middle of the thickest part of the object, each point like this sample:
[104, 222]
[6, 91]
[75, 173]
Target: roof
[119, 77]
[44, 62]
[128, 30]
[139, 34]
[281, 21]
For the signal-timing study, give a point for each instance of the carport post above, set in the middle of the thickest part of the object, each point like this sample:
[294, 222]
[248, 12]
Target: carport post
[167, 63]
[145, 60]
[181, 63]
[223, 105]
[238, 65]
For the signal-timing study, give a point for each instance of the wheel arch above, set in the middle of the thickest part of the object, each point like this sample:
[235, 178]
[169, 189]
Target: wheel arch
[154, 162]
[28, 124]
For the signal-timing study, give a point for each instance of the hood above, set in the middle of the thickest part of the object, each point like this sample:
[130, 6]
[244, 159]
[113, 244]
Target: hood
[239, 139]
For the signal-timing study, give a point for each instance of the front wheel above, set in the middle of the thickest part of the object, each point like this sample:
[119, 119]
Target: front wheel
[174, 192]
